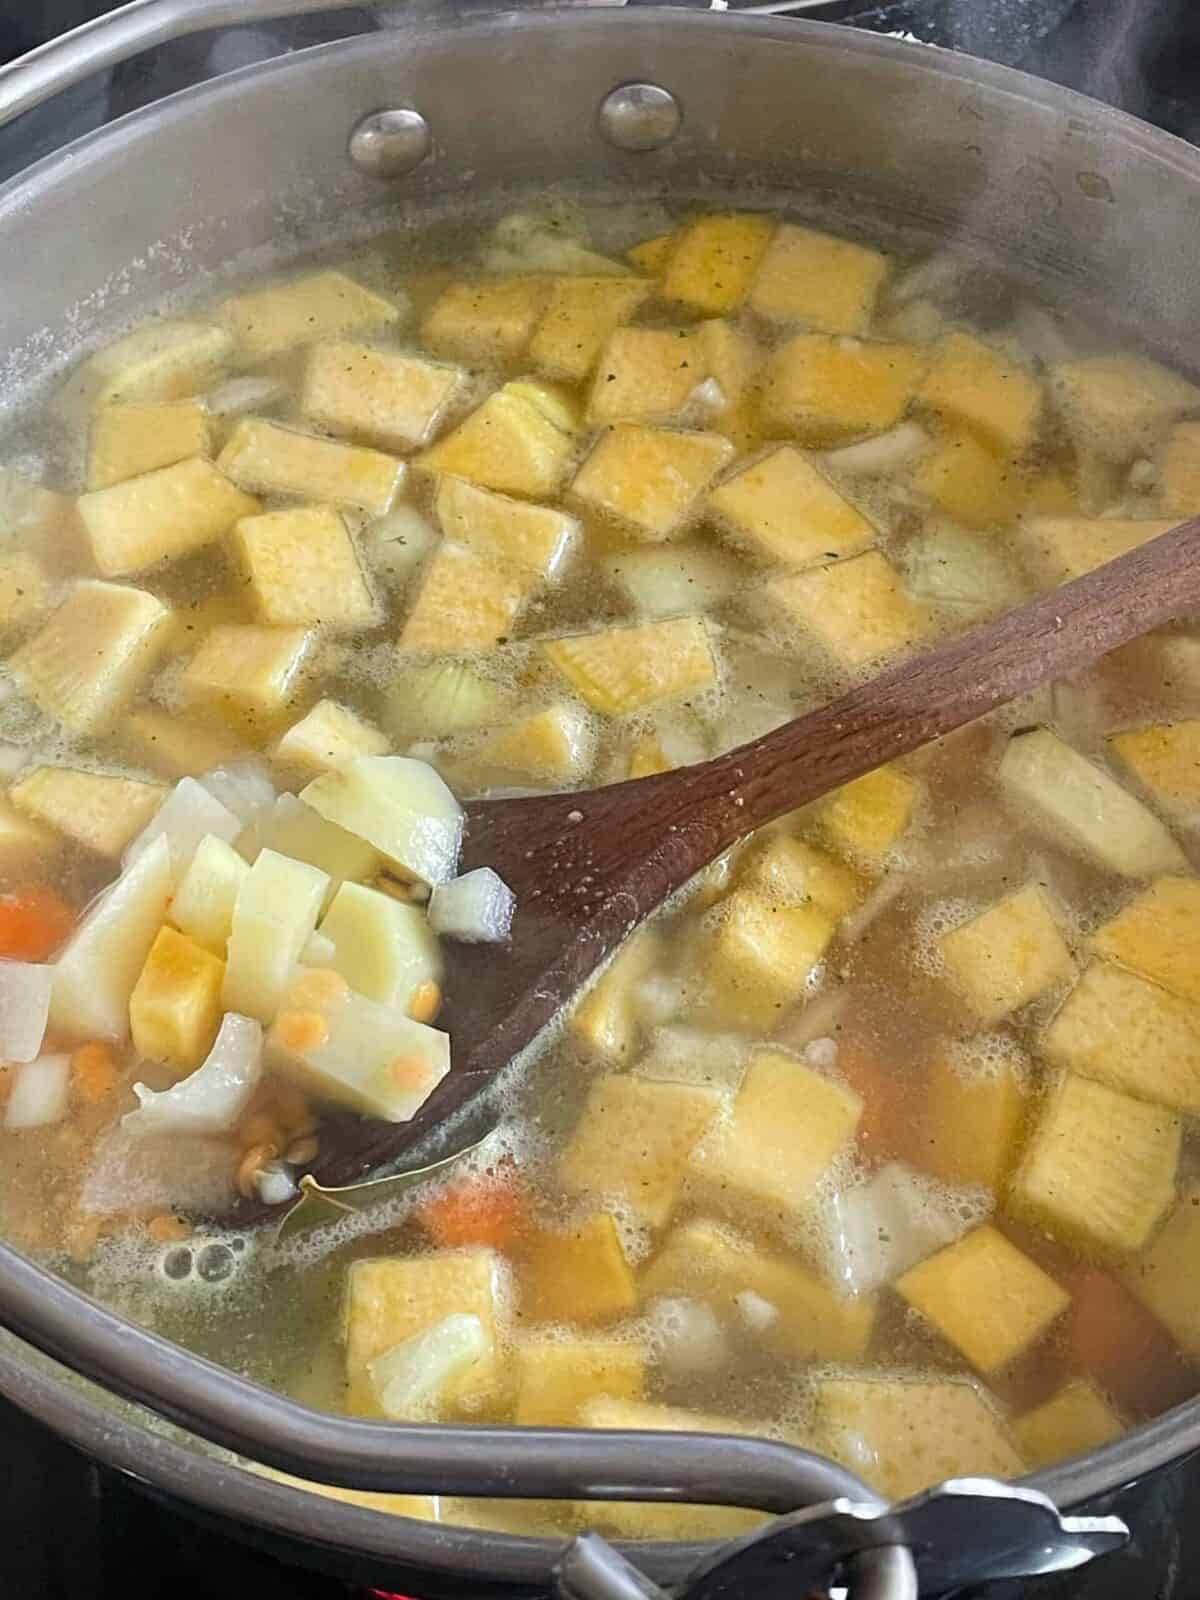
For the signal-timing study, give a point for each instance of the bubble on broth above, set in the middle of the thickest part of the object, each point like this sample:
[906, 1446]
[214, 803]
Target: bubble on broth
[932, 924]
[991, 1055]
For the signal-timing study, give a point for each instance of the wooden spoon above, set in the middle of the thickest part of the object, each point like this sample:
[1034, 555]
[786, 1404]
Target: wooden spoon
[588, 867]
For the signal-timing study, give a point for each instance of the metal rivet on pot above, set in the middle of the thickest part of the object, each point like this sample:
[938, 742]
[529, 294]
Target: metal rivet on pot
[640, 116]
[387, 144]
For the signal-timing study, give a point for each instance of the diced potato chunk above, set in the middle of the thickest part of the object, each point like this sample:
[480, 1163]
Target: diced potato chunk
[856, 610]
[1007, 955]
[294, 829]
[158, 361]
[93, 654]
[328, 737]
[1073, 1421]
[1164, 1278]
[972, 483]
[826, 283]
[713, 260]
[757, 957]
[865, 820]
[581, 315]
[1165, 760]
[276, 910]
[633, 1139]
[700, 1259]
[24, 589]
[175, 1007]
[579, 1275]
[467, 602]
[24, 841]
[393, 400]
[161, 516]
[1119, 404]
[1119, 1028]
[390, 1299]
[971, 575]
[649, 479]
[986, 1297]
[383, 948]
[825, 390]
[1056, 549]
[98, 810]
[1155, 934]
[539, 538]
[400, 806]
[319, 305]
[903, 1434]
[485, 322]
[203, 902]
[247, 670]
[1099, 1170]
[973, 385]
[129, 440]
[619, 671]
[790, 872]
[787, 1128]
[556, 745]
[977, 1100]
[1056, 786]
[605, 1020]
[1179, 475]
[556, 1377]
[786, 510]
[303, 569]
[263, 457]
[521, 440]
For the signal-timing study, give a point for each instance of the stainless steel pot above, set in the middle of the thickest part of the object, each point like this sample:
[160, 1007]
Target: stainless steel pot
[451, 110]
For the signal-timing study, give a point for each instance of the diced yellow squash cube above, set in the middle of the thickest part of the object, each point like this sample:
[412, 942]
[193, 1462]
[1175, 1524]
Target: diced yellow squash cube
[129, 440]
[790, 872]
[757, 957]
[577, 1275]
[1052, 494]
[175, 1008]
[24, 589]
[466, 603]
[1056, 549]
[652, 255]
[787, 510]
[730, 360]
[521, 440]
[319, 305]
[394, 400]
[824, 390]
[649, 479]
[907, 1434]
[1073, 1421]
[24, 841]
[1007, 955]
[647, 758]
[1179, 471]
[619, 671]
[161, 516]
[857, 610]
[485, 322]
[179, 747]
[976, 1105]
[1155, 934]
[248, 671]
[540, 538]
[303, 569]
[703, 1260]
[263, 457]
[1099, 1168]
[328, 737]
[865, 820]
[1120, 404]
[986, 1297]
[713, 261]
[646, 375]
[1164, 1277]
[633, 1139]
[1121, 1029]
[1056, 786]
[826, 283]
[98, 810]
[581, 315]
[605, 1020]
[391, 1298]
[972, 385]
[1165, 760]
[556, 745]
[976, 485]
[787, 1127]
[158, 361]
[204, 899]
[556, 1377]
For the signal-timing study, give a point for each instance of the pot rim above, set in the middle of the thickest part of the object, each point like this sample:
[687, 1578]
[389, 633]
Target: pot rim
[234, 1492]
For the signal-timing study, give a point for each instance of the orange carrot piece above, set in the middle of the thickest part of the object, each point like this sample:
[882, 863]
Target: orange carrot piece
[94, 1072]
[489, 1210]
[34, 922]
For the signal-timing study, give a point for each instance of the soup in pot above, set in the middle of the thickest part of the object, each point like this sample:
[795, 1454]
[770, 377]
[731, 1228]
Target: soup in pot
[878, 1139]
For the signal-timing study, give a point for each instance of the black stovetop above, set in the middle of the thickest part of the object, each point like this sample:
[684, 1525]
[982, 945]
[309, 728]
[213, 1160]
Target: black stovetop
[70, 1531]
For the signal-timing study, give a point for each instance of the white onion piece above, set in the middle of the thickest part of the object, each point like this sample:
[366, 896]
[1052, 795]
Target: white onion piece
[24, 1008]
[396, 544]
[691, 1339]
[757, 1313]
[40, 1092]
[937, 274]
[274, 1184]
[882, 1228]
[475, 909]
[186, 1172]
[409, 1378]
[242, 786]
[212, 1098]
[821, 1054]
[886, 452]
[231, 398]
[188, 813]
